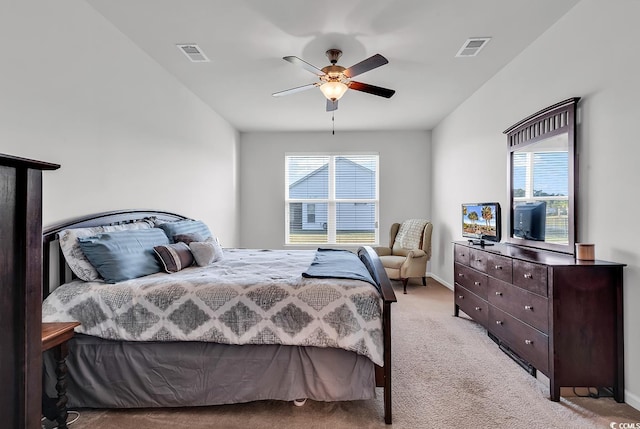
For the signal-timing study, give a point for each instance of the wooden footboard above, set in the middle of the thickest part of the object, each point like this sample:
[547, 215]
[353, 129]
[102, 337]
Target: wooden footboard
[55, 272]
[383, 374]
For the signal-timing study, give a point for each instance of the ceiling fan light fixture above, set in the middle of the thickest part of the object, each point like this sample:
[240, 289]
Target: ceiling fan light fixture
[334, 80]
[333, 90]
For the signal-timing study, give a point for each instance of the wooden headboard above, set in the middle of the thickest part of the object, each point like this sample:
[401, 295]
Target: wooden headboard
[53, 261]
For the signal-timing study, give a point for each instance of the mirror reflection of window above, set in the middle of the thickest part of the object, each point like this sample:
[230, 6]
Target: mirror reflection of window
[541, 174]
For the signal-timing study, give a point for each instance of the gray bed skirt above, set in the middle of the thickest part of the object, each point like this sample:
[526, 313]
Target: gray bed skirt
[115, 374]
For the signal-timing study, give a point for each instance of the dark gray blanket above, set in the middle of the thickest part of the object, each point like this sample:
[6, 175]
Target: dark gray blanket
[338, 264]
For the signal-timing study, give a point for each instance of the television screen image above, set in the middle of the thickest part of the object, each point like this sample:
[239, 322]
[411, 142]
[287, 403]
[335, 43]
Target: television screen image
[529, 220]
[481, 221]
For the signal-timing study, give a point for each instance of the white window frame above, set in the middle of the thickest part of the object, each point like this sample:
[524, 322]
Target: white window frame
[331, 201]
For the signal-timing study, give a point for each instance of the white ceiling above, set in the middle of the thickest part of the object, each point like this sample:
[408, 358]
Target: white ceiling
[246, 40]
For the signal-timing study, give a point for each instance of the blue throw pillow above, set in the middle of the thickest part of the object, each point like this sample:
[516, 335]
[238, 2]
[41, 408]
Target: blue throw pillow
[181, 227]
[124, 255]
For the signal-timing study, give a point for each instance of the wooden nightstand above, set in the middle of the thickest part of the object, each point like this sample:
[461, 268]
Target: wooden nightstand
[55, 336]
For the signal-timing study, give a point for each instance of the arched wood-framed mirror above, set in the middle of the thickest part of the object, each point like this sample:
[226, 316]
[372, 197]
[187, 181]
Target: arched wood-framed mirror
[542, 179]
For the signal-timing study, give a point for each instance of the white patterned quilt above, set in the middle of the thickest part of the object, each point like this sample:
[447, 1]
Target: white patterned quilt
[249, 297]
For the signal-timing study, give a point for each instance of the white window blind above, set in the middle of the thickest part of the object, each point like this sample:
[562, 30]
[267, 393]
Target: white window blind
[331, 199]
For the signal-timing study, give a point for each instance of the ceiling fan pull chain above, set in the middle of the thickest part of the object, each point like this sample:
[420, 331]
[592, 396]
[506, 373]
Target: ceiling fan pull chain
[333, 123]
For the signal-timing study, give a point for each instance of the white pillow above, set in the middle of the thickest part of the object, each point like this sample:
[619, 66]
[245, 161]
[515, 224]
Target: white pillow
[74, 255]
[206, 252]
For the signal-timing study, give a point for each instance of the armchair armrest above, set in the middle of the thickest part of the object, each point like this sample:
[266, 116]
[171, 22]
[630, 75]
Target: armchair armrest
[382, 251]
[416, 253]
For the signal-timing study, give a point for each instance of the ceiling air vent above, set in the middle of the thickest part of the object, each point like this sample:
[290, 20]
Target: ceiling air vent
[194, 53]
[472, 46]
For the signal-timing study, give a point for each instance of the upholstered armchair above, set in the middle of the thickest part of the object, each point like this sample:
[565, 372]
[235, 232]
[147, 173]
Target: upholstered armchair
[408, 252]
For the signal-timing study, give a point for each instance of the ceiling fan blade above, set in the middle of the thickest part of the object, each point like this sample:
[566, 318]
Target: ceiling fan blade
[371, 89]
[305, 65]
[294, 90]
[332, 105]
[365, 65]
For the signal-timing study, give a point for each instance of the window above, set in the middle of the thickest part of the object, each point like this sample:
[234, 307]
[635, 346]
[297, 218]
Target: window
[311, 213]
[331, 199]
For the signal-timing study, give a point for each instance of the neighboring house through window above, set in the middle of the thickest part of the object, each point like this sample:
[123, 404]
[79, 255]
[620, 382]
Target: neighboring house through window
[331, 199]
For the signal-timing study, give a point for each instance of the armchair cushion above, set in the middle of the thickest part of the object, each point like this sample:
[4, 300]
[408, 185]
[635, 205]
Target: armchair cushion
[392, 262]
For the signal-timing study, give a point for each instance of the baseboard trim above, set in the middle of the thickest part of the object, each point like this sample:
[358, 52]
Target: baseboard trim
[440, 280]
[632, 400]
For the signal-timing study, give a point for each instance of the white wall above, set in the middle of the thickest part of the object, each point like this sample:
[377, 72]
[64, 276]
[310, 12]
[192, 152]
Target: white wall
[404, 177]
[76, 92]
[588, 53]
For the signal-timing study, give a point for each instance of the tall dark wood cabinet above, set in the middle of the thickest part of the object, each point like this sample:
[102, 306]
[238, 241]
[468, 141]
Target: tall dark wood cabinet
[21, 290]
[547, 310]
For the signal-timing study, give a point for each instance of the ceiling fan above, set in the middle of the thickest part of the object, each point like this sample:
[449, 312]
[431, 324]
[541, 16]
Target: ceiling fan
[334, 80]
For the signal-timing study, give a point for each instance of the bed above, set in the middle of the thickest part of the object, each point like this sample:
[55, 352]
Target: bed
[247, 327]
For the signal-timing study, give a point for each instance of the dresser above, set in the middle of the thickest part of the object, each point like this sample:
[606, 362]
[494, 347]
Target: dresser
[21, 290]
[547, 310]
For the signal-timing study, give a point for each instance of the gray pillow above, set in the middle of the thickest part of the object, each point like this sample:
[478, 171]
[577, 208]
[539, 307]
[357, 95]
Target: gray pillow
[206, 252]
[124, 255]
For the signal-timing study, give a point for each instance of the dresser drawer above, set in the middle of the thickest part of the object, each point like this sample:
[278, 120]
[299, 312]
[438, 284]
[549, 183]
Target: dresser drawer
[478, 259]
[530, 276]
[471, 279]
[529, 343]
[472, 305]
[499, 267]
[461, 254]
[530, 308]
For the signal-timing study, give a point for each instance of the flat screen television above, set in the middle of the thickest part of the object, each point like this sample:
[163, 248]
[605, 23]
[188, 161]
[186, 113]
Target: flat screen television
[529, 220]
[481, 222]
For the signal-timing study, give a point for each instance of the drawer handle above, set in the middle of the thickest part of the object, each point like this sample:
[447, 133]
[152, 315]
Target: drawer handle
[460, 275]
[461, 296]
[461, 254]
[498, 322]
[478, 309]
[528, 341]
[476, 283]
[528, 307]
[478, 260]
[498, 267]
[528, 275]
[498, 293]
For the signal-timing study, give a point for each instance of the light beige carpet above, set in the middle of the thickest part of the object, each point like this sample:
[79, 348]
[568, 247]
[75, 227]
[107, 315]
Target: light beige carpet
[447, 374]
